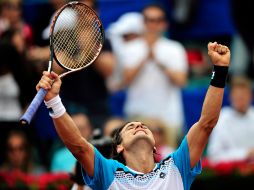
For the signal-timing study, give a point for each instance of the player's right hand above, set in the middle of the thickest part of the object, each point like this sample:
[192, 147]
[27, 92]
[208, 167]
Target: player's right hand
[50, 82]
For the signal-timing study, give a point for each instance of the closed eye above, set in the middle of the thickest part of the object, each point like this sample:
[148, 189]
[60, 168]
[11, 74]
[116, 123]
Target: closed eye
[144, 126]
[130, 127]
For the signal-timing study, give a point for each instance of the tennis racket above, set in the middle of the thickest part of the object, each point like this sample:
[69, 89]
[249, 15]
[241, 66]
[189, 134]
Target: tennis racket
[76, 39]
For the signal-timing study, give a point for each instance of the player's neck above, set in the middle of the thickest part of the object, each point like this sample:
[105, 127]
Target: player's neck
[140, 159]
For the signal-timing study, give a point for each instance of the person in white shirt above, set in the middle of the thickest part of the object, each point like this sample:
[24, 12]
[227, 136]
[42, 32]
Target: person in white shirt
[156, 67]
[128, 27]
[232, 139]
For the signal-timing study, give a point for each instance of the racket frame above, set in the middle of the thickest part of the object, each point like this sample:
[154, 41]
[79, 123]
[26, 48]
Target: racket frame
[36, 102]
[52, 53]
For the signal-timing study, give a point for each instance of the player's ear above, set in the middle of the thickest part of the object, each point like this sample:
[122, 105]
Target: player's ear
[119, 148]
[154, 150]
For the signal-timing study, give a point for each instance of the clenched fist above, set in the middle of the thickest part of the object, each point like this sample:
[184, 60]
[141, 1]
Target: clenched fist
[50, 82]
[219, 54]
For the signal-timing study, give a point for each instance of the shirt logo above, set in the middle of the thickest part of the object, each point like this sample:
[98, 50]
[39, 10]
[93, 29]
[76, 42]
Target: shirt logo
[162, 175]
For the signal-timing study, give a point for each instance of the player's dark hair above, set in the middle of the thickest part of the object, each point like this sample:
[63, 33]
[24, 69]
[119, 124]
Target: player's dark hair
[117, 140]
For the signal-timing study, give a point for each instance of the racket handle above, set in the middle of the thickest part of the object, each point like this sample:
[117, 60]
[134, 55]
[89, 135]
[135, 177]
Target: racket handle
[33, 107]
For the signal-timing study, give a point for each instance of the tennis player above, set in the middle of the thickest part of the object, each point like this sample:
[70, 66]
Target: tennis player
[134, 166]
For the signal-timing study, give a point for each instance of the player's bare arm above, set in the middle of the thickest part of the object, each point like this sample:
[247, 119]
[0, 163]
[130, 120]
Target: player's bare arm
[199, 133]
[65, 127]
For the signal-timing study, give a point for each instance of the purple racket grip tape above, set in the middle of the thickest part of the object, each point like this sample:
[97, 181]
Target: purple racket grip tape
[33, 107]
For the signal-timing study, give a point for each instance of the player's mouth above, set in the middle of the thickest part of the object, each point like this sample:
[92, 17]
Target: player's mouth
[139, 130]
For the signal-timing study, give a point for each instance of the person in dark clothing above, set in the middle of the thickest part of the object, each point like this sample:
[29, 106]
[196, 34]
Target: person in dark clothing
[13, 62]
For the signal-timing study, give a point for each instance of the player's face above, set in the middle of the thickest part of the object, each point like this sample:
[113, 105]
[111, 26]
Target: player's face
[134, 132]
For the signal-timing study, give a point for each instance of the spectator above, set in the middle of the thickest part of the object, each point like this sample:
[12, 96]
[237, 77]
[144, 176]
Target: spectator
[16, 76]
[11, 18]
[19, 154]
[232, 139]
[157, 67]
[4, 24]
[63, 160]
[128, 27]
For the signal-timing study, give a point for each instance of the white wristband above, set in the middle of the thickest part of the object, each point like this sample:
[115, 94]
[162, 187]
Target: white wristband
[55, 107]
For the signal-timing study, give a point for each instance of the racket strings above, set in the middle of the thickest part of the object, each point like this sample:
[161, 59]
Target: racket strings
[71, 36]
[88, 54]
[92, 34]
[77, 37]
[64, 36]
[92, 46]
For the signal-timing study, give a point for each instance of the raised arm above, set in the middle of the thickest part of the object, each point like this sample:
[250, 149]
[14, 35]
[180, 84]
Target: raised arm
[199, 133]
[65, 127]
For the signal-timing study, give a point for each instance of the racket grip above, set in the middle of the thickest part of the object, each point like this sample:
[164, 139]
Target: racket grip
[33, 107]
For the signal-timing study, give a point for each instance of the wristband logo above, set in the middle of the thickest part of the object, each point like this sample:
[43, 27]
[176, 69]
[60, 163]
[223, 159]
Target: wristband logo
[213, 75]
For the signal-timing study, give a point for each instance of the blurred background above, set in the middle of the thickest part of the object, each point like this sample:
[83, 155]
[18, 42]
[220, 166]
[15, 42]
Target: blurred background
[158, 53]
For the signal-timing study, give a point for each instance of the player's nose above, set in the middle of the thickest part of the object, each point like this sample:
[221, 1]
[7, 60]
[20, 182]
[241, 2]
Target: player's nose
[139, 125]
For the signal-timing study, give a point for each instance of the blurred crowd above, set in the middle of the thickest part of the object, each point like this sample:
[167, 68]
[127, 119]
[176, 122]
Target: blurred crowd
[151, 54]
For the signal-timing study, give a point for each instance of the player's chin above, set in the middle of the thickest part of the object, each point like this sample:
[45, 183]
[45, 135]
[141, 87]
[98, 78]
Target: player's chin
[142, 137]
